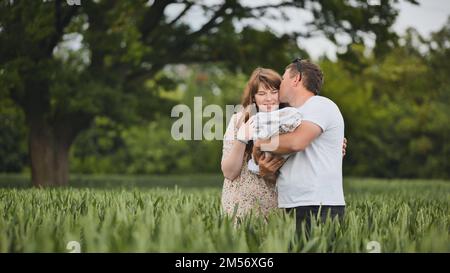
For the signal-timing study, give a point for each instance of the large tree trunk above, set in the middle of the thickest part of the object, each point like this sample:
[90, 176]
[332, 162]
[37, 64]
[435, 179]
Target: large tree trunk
[49, 153]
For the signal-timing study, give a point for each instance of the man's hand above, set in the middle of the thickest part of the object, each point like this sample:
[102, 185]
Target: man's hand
[268, 164]
[344, 147]
[256, 152]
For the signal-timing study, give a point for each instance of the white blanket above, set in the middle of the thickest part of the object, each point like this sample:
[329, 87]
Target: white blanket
[269, 124]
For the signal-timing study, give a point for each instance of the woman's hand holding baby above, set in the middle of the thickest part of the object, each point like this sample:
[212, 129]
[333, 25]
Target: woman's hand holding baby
[245, 133]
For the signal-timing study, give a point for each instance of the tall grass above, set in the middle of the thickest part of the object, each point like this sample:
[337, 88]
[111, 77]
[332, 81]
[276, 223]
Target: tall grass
[402, 216]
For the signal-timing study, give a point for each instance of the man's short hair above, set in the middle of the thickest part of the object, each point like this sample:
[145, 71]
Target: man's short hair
[311, 74]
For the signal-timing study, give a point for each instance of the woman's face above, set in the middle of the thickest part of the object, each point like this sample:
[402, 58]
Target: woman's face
[267, 99]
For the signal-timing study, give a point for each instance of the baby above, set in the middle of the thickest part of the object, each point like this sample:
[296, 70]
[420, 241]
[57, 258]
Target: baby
[268, 124]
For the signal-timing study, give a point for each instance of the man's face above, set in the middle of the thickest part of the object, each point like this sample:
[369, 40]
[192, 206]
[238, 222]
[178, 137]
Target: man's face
[285, 87]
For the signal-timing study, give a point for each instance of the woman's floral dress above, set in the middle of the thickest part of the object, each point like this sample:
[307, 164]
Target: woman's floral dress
[247, 191]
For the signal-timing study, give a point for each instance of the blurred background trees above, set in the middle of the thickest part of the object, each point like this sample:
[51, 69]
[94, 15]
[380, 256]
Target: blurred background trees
[96, 83]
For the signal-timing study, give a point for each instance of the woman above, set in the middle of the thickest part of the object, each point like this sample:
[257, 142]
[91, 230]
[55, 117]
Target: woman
[243, 190]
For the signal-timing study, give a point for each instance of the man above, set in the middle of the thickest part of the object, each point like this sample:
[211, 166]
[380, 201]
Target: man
[310, 181]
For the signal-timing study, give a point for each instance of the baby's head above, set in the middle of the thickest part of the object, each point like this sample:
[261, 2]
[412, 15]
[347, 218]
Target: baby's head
[262, 89]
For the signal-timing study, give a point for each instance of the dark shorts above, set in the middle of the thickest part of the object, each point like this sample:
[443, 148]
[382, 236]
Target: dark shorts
[306, 215]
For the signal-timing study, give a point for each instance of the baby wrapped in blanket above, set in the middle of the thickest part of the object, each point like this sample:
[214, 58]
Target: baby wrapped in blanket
[269, 124]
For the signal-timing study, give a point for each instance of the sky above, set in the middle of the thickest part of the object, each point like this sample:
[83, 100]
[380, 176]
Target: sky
[429, 16]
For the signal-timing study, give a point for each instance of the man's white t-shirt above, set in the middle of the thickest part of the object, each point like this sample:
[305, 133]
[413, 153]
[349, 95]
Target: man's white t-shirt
[314, 176]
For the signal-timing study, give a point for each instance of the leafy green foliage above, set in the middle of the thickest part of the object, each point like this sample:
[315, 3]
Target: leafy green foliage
[13, 145]
[113, 94]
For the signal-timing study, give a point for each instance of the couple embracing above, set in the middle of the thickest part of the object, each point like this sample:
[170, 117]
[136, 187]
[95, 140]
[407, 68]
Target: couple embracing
[295, 165]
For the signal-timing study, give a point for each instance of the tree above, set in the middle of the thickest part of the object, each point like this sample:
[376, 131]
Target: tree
[396, 107]
[12, 138]
[125, 43]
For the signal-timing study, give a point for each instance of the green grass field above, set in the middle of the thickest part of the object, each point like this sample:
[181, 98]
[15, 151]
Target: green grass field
[128, 214]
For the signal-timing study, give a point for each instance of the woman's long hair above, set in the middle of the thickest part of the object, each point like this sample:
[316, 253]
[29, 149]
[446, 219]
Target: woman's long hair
[268, 78]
